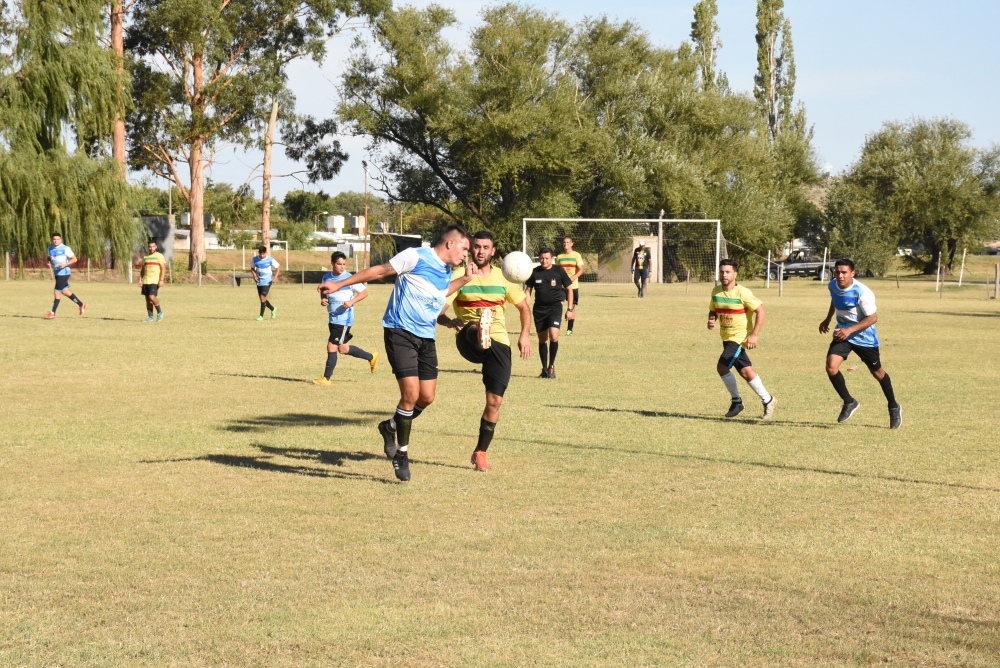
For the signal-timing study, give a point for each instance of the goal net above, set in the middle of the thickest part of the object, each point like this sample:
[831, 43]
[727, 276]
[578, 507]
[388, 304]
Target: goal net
[681, 249]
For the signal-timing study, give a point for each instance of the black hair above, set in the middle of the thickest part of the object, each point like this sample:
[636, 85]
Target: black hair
[546, 250]
[484, 234]
[154, 241]
[262, 249]
[337, 255]
[844, 262]
[729, 263]
[448, 231]
[565, 237]
[57, 234]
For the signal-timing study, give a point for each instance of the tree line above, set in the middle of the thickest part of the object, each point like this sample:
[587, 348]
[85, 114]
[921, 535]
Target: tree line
[536, 116]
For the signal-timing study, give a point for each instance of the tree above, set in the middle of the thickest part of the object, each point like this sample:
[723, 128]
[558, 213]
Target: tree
[705, 36]
[774, 83]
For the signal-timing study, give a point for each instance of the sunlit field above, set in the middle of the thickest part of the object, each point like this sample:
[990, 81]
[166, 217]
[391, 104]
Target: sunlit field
[180, 493]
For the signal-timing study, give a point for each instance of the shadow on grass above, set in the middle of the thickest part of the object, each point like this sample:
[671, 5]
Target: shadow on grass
[705, 418]
[41, 317]
[959, 314]
[263, 377]
[475, 371]
[266, 422]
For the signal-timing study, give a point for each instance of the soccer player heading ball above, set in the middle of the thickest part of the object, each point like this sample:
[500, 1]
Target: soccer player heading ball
[154, 270]
[61, 258]
[418, 298]
[265, 272]
[482, 332]
[854, 305]
[340, 306]
[731, 305]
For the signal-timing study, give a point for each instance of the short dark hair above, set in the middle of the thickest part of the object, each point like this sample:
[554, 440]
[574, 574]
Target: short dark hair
[566, 236]
[729, 263]
[262, 249]
[337, 255]
[484, 234]
[544, 251]
[57, 234]
[154, 242]
[447, 232]
[844, 262]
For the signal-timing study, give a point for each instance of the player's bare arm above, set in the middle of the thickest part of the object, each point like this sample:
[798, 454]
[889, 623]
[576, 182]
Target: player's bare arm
[824, 326]
[376, 273]
[277, 272]
[758, 322]
[163, 273]
[524, 340]
[361, 296]
[445, 321]
[457, 283]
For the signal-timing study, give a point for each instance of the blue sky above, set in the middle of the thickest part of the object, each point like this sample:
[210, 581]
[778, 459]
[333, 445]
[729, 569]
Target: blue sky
[859, 64]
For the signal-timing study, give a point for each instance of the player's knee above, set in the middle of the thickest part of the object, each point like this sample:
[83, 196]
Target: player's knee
[832, 370]
[343, 348]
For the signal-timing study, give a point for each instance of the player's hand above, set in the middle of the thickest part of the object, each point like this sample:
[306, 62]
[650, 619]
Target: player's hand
[824, 327]
[571, 315]
[751, 341]
[326, 288]
[711, 323]
[470, 271]
[841, 333]
[324, 301]
[160, 284]
[524, 345]
[454, 323]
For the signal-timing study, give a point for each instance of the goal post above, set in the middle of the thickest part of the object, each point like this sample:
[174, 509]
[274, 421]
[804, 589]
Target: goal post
[682, 248]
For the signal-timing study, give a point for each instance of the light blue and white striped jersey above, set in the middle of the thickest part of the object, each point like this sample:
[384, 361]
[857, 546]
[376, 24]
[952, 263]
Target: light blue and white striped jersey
[265, 267]
[420, 292]
[58, 255]
[338, 314]
[853, 305]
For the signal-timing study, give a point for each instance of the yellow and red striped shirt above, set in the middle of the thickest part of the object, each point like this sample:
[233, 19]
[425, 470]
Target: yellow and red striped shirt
[152, 266]
[733, 309]
[483, 292]
[572, 263]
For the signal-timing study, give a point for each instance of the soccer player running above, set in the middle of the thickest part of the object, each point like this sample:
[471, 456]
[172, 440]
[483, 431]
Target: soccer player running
[154, 269]
[340, 305]
[424, 281]
[854, 304]
[551, 284]
[572, 262]
[729, 306]
[480, 307]
[61, 258]
[642, 261]
[265, 271]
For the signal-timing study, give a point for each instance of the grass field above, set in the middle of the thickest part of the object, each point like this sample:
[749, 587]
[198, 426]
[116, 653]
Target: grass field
[179, 494]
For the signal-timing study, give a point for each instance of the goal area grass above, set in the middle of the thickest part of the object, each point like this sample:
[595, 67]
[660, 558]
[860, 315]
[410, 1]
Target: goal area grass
[180, 493]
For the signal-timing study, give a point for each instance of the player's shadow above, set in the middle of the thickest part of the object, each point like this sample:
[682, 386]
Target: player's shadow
[960, 314]
[705, 418]
[264, 377]
[219, 317]
[328, 457]
[285, 420]
[265, 463]
[474, 371]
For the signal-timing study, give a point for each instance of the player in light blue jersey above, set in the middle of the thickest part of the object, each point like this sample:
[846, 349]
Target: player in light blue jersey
[340, 306]
[854, 305]
[265, 271]
[423, 284]
[61, 258]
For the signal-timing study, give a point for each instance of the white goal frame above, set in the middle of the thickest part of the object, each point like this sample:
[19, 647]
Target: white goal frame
[660, 221]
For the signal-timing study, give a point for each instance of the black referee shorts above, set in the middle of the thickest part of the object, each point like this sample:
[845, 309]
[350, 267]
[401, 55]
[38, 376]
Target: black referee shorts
[496, 359]
[868, 354]
[547, 316]
[410, 355]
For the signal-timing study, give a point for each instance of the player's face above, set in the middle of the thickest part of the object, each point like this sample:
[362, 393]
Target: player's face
[456, 249]
[546, 260]
[262, 253]
[340, 266]
[57, 240]
[567, 244]
[483, 251]
[727, 275]
[152, 247]
[845, 276]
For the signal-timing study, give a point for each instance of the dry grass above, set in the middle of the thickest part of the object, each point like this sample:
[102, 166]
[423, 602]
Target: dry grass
[175, 494]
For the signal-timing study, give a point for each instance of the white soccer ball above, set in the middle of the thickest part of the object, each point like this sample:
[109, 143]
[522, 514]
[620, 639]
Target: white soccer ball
[517, 267]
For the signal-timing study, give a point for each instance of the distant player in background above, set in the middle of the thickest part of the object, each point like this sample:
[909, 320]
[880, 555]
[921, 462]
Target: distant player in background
[550, 283]
[642, 261]
[731, 306]
[418, 298]
[154, 269]
[480, 307]
[61, 258]
[340, 305]
[854, 305]
[265, 271]
[572, 262]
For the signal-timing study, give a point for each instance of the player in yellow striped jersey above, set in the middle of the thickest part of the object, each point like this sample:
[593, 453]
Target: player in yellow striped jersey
[154, 270]
[572, 262]
[481, 307]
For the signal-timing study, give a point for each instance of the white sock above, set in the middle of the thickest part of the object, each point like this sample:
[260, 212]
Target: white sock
[730, 380]
[757, 385]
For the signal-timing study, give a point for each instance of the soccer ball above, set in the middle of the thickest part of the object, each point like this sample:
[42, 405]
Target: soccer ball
[517, 267]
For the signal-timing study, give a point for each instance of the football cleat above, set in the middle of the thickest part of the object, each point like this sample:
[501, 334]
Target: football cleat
[83, 308]
[735, 408]
[373, 363]
[552, 372]
[848, 410]
[259, 318]
[322, 381]
[150, 319]
[896, 417]
[401, 466]
[388, 438]
[274, 313]
[50, 315]
[768, 410]
[544, 373]
[485, 324]
[479, 461]
[159, 316]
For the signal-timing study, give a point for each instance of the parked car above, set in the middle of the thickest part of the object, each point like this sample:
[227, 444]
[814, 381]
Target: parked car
[803, 262]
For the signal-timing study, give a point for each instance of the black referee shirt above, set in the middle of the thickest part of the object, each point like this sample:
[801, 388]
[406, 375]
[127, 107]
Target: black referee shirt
[549, 285]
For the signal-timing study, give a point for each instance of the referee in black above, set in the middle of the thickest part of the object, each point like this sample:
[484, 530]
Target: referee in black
[550, 283]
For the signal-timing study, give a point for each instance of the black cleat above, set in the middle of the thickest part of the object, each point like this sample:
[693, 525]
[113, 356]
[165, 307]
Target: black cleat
[544, 373]
[735, 408]
[401, 466]
[552, 372]
[848, 410]
[389, 437]
[896, 417]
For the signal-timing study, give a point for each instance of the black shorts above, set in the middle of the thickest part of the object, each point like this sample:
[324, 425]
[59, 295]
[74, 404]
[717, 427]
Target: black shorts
[262, 290]
[547, 316]
[150, 289]
[62, 282]
[732, 359]
[496, 359]
[868, 355]
[410, 355]
[340, 334]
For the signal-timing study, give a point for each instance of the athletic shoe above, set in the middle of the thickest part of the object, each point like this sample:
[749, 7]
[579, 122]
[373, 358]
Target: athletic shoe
[322, 381]
[769, 409]
[83, 308]
[373, 363]
[274, 313]
[388, 438]
[552, 372]
[569, 332]
[259, 318]
[479, 461]
[159, 316]
[735, 408]
[848, 410]
[485, 324]
[401, 466]
[50, 315]
[896, 417]
[150, 319]
[544, 373]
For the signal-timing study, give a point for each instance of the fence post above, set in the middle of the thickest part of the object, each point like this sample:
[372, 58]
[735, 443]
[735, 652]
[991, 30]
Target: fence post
[88, 270]
[170, 270]
[233, 278]
[130, 268]
[961, 273]
[303, 277]
[659, 249]
[244, 259]
[687, 282]
[6, 266]
[767, 272]
[822, 270]
[996, 280]
[781, 280]
[937, 279]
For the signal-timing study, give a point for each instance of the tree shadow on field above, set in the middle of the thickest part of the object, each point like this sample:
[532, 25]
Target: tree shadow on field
[475, 371]
[285, 420]
[705, 418]
[959, 314]
[265, 377]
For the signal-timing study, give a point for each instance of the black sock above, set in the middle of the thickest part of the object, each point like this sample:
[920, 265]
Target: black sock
[569, 325]
[354, 351]
[887, 391]
[553, 349]
[403, 422]
[417, 410]
[158, 309]
[149, 312]
[262, 309]
[840, 385]
[55, 304]
[331, 362]
[485, 434]
[76, 300]
[543, 350]
[269, 305]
